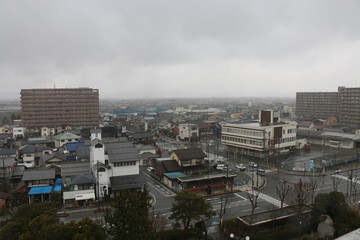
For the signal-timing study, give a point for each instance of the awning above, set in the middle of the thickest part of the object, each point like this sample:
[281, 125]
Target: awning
[85, 196]
[40, 190]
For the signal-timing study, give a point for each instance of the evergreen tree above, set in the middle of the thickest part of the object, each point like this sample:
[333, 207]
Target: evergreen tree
[189, 207]
[129, 216]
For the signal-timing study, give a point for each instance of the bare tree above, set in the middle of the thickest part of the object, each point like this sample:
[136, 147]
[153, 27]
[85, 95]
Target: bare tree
[336, 183]
[300, 194]
[253, 197]
[222, 210]
[157, 222]
[282, 190]
[313, 186]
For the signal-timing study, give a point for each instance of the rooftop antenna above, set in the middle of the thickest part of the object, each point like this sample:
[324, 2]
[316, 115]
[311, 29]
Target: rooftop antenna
[54, 85]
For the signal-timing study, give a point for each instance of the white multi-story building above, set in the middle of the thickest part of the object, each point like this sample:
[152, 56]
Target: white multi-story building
[260, 139]
[188, 131]
[115, 165]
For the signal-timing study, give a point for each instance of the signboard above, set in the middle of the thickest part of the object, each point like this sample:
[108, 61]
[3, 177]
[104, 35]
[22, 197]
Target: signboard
[85, 196]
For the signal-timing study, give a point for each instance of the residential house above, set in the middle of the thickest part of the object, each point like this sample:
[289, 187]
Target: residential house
[55, 159]
[148, 154]
[9, 153]
[17, 174]
[41, 142]
[7, 166]
[40, 182]
[141, 137]
[4, 140]
[6, 129]
[47, 131]
[34, 156]
[165, 126]
[19, 132]
[80, 190]
[306, 125]
[70, 148]
[64, 138]
[189, 132]
[192, 160]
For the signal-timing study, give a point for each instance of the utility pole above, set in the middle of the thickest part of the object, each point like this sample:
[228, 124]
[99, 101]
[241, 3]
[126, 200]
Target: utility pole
[98, 183]
[4, 187]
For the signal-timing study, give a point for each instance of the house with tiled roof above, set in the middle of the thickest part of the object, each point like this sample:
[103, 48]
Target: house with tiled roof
[55, 159]
[64, 138]
[34, 156]
[40, 183]
[80, 190]
[148, 154]
[141, 137]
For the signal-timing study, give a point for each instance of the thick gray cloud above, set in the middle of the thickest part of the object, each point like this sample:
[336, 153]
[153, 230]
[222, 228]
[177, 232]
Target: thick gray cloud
[133, 49]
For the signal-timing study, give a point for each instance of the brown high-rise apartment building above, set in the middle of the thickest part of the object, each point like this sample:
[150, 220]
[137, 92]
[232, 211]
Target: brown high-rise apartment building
[343, 104]
[59, 107]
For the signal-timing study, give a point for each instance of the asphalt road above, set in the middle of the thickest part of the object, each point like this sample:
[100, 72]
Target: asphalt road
[238, 204]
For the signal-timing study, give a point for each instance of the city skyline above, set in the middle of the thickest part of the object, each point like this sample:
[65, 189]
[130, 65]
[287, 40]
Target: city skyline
[132, 50]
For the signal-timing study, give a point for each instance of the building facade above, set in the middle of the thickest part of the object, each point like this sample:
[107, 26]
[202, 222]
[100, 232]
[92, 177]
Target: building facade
[312, 105]
[260, 139]
[349, 100]
[343, 104]
[56, 107]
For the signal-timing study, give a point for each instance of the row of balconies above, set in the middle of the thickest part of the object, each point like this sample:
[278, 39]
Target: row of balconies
[59, 91]
[59, 101]
[59, 96]
[82, 124]
[58, 113]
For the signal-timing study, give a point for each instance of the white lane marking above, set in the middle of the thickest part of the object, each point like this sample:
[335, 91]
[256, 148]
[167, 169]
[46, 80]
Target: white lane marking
[240, 196]
[153, 197]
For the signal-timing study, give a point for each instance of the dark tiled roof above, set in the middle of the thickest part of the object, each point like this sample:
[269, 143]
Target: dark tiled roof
[38, 174]
[8, 151]
[55, 155]
[4, 136]
[83, 152]
[171, 166]
[304, 124]
[18, 171]
[7, 162]
[74, 168]
[32, 149]
[121, 152]
[82, 179]
[141, 135]
[148, 155]
[127, 182]
[191, 153]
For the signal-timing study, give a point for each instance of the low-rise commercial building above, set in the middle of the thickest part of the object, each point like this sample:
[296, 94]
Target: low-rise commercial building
[261, 138]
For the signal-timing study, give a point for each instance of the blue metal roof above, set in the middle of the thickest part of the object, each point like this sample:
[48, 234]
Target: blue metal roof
[71, 146]
[58, 185]
[40, 190]
[173, 175]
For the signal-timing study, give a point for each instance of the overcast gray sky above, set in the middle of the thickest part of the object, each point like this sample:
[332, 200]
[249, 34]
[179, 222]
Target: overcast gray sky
[184, 48]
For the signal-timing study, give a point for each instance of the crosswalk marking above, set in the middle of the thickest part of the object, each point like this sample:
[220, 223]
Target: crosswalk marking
[267, 198]
[354, 180]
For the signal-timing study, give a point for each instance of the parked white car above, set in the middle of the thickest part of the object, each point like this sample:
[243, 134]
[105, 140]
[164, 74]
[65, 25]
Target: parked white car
[253, 164]
[241, 167]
